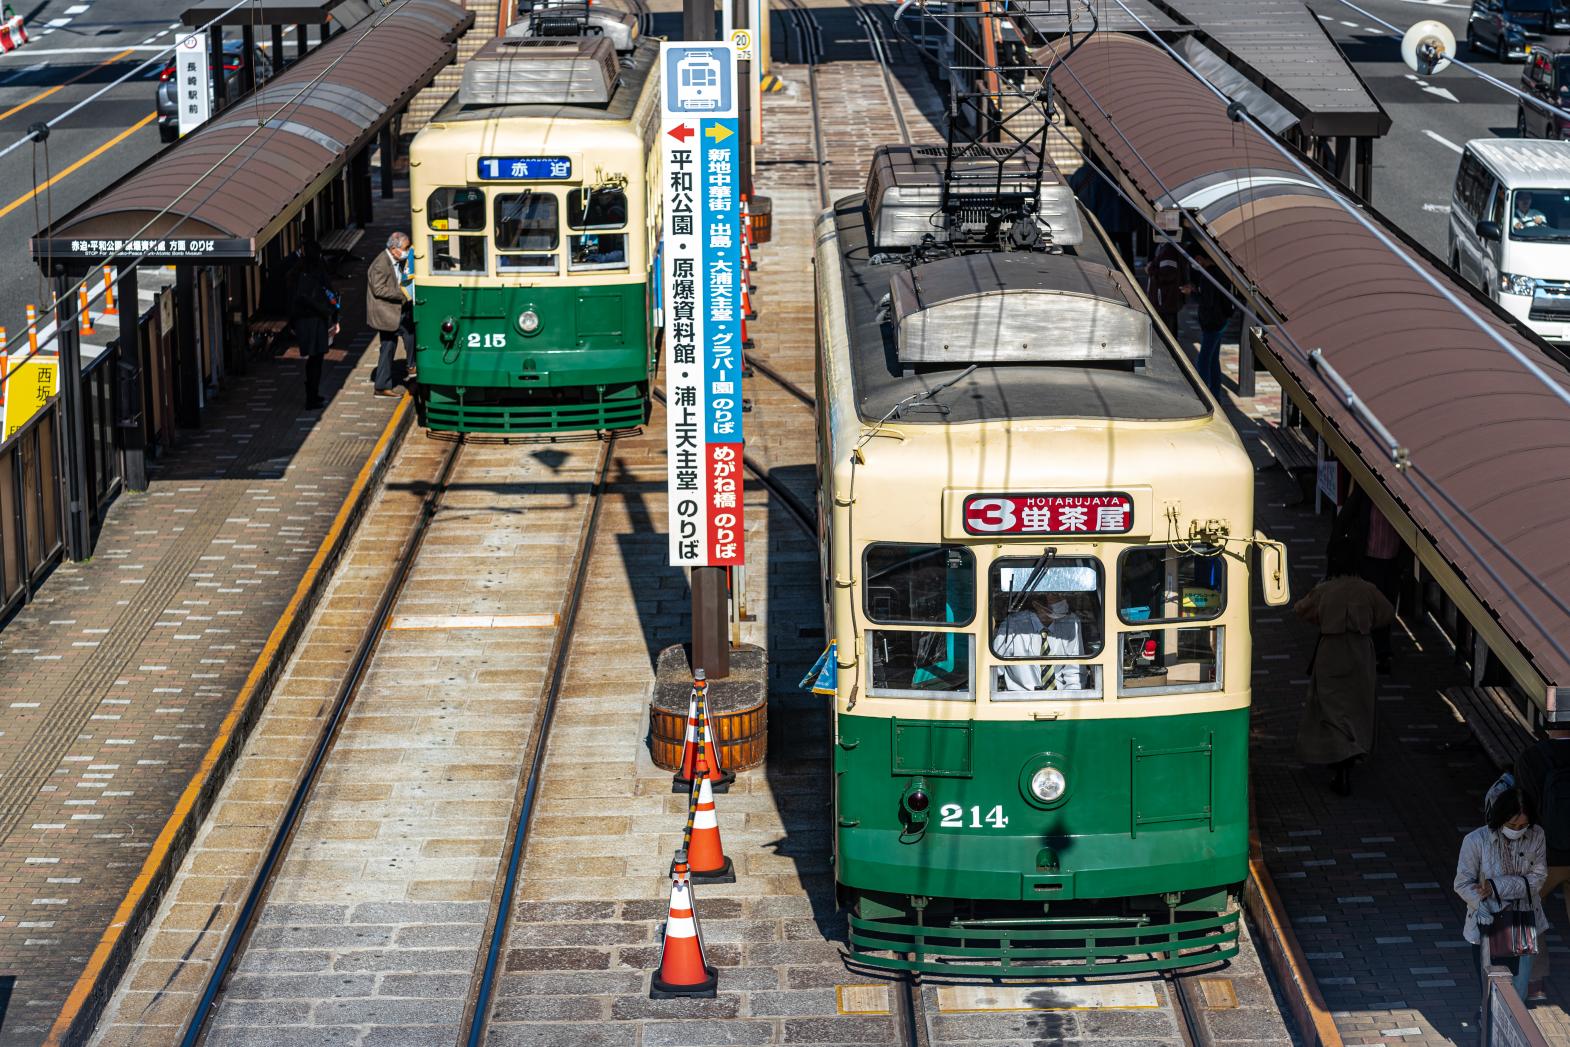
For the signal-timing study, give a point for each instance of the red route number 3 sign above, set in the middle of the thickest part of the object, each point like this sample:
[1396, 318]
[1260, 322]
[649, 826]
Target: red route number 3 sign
[1108, 513]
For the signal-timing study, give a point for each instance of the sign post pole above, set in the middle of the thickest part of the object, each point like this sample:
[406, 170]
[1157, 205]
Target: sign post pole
[700, 283]
[77, 545]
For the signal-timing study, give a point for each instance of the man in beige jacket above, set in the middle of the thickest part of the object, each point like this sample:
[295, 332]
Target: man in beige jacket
[384, 299]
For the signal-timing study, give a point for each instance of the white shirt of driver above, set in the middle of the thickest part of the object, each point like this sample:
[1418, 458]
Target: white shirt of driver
[1021, 635]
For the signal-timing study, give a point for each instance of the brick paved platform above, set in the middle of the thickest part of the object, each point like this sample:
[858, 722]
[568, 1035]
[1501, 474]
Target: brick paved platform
[114, 681]
[1367, 879]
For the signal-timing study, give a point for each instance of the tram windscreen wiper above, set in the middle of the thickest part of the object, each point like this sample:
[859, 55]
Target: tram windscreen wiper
[1017, 600]
[928, 394]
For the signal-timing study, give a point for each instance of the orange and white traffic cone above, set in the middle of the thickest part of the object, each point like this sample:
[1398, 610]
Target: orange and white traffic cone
[109, 309]
[705, 854]
[698, 720]
[682, 969]
[32, 328]
[84, 311]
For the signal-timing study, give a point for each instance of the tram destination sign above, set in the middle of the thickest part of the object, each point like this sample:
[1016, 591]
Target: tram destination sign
[1049, 513]
[524, 168]
[700, 281]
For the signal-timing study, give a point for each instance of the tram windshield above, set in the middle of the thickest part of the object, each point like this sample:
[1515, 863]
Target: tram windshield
[526, 230]
[1160, 584]
[1044, 613]
[930, 585]
[457, 218]
[602, 213]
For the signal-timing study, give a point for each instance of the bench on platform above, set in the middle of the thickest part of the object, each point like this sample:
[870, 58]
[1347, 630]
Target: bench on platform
[1289, 450]
[265, 331]
[1499, 728]
[339, 247]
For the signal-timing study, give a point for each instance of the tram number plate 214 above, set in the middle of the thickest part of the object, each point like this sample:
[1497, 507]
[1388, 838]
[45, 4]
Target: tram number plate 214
[953, 816]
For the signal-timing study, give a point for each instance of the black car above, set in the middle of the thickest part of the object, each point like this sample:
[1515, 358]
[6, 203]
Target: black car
[168, 106]
[1546, 78]
[1504, 28]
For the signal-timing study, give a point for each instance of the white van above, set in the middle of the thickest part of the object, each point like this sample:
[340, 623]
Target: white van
[1510, 228]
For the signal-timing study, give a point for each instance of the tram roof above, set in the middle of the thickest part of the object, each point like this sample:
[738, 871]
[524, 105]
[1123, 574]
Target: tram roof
[1487, 433]
[635, 71]
[1160, 391]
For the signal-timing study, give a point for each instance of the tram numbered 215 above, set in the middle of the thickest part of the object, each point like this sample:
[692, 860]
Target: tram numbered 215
[535, 194]
[1037, 536]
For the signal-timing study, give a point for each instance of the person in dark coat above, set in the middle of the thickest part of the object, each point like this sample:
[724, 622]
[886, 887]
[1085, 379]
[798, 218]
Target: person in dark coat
[1544, 758]
[1167, 279]
[1215, 313]
[1337, 727]
[1381, 556]
[313, 312]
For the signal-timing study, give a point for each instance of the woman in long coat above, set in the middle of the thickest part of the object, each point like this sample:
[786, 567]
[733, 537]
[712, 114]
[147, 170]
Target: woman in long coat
[1338, 723]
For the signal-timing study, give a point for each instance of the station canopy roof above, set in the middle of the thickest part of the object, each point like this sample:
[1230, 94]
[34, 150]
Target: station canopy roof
[225, 190]
[1274, 56]
[1488, 440]
[276, 12]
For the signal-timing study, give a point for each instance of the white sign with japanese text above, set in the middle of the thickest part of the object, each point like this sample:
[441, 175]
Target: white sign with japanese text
[701, 290]
[193, 81]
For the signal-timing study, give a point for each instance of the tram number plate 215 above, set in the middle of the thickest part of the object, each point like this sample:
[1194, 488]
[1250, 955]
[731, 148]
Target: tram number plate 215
[953, 816]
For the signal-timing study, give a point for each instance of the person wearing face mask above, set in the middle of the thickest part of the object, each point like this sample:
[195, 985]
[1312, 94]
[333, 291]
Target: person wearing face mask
[384, 300]
[1500, 875]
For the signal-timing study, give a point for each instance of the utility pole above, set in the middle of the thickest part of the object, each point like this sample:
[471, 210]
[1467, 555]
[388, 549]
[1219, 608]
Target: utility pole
[697, 22]
[78, 543]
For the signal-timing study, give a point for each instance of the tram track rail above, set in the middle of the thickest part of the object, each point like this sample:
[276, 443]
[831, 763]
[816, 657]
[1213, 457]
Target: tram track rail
[278, 847]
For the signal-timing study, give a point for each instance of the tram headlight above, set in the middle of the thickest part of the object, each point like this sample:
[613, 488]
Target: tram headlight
[1048, 784]
[528, 321]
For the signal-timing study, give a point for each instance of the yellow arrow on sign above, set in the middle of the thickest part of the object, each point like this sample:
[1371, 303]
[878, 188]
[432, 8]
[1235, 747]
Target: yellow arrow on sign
[718, 132]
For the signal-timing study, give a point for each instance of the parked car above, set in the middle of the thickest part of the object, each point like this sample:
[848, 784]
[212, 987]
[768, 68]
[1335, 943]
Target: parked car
[1510, 229]
[1545, 78]
[168, 105]
[1507, 28]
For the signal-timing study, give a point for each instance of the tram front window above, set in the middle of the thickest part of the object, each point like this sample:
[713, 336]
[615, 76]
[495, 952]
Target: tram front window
[601, 213]
[457, 218]
[1158, 585]
[526, 232]
[1045, 613]
[934, 585]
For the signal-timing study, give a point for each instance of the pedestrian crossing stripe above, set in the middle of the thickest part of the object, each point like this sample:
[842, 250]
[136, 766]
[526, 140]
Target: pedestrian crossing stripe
[771, 84]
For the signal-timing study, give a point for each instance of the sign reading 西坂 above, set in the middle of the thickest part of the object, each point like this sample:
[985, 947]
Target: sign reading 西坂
[193, 81]
[701, 291]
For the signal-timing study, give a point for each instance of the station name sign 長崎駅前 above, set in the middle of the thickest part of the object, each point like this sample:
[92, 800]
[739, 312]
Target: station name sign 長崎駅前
[701, 297]
[1110, 512]
[524, 169]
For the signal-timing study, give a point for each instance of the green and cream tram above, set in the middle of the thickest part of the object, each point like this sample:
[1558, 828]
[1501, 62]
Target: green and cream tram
[535, 195]
[1036, 548]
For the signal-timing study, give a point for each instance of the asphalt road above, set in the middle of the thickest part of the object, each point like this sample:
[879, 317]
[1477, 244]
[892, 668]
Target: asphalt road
[76, 47]
[1415, 164]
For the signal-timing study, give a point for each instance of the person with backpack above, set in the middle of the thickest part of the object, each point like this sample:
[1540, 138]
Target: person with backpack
[1543, 772]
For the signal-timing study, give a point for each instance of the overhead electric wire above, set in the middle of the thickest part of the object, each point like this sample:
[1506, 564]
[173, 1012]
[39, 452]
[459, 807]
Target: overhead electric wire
[272, 125]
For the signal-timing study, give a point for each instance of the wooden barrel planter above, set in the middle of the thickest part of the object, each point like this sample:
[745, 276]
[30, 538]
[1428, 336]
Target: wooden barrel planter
[738, 707]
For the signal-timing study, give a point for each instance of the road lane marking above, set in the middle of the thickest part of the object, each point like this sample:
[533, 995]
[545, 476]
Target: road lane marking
[1431, 208]
[1436, 136]
[31, 51]
[95, 154]
[1442, 93]
[65, 83]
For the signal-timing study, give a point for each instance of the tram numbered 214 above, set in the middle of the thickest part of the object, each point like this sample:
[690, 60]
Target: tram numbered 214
[1037, 535]
[535, 194]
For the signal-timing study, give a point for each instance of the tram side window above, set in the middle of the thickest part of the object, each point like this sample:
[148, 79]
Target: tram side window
[932, 585]
[526, 232]
[1160, 586]
[458, 216]
[1045, 612]
[601, 214]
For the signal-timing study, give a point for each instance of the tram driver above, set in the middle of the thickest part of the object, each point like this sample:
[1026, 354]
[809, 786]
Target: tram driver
[1045, 627]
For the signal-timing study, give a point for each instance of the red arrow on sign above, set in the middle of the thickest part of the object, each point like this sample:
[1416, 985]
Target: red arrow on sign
[681, 133]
